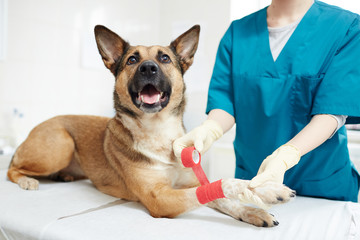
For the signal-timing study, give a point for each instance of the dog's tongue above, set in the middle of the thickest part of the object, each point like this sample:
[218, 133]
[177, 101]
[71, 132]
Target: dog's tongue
[149, 95]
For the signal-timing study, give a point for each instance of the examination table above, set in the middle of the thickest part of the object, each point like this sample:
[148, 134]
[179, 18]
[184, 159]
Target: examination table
[78, 211]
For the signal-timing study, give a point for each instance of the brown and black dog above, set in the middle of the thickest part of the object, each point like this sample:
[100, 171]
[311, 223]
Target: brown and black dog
[130, 156]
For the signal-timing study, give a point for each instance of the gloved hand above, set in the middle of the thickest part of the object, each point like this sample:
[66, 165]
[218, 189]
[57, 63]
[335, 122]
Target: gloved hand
[200, 137]
[275, 165]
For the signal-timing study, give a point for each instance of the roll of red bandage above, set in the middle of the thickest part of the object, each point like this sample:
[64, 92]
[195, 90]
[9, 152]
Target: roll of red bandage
[190, 157]
[207, 192]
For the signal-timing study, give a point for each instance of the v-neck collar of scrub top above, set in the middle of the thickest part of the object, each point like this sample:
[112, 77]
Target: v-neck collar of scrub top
[289, 54]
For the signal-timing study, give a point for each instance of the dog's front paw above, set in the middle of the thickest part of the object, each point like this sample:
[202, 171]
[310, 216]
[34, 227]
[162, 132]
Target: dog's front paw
[274, 193]
[263, 196]
[239, 189]
[258, 217]
[237, 210]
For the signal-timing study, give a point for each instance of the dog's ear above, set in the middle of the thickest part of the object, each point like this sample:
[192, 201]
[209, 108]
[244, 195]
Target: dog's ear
[185, 46]
[111, 46]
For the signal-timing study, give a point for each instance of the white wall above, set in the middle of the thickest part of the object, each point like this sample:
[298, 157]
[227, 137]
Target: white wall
[241, 8]
[3, 28]
[52, 65]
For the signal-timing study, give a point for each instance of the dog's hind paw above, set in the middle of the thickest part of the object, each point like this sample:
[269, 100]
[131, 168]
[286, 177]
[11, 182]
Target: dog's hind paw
[28, 183]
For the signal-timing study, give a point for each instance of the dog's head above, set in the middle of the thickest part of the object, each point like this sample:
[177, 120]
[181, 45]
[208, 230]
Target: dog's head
[148, 79]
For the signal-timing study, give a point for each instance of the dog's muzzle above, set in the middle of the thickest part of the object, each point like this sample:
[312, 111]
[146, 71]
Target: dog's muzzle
[150, 90]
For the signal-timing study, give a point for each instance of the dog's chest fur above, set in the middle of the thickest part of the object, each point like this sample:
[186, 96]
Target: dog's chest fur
[153, 137]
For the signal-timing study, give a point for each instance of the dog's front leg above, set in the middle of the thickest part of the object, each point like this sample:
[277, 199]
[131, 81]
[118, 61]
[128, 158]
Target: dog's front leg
[163, 201]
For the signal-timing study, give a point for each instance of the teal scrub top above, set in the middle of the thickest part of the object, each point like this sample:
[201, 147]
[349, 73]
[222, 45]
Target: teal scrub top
[317, 72]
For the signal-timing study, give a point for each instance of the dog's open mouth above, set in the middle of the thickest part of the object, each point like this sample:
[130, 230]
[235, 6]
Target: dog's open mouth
[150, 99]
[150, 95]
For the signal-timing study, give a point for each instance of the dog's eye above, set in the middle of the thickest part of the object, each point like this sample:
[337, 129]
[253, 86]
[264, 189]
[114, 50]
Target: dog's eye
[165, 58]
[131, 60]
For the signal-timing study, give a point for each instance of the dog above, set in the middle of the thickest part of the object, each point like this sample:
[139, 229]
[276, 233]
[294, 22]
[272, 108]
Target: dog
[130, 156]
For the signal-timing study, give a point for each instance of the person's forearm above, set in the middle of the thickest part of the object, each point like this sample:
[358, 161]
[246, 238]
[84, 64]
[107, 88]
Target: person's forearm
[224, 119]
[319, 129]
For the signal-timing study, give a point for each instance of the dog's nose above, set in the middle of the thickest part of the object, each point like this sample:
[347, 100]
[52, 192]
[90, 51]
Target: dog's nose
[148, 68]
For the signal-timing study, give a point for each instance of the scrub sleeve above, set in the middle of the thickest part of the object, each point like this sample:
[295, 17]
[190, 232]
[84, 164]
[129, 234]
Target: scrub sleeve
[339, 91]
[223, 97]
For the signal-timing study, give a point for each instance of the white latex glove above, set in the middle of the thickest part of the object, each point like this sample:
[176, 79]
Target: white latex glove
[200, 137]
[274, 166]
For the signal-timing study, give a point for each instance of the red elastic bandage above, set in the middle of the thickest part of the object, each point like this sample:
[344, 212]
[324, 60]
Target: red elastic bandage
[207, 192]
[190, 157]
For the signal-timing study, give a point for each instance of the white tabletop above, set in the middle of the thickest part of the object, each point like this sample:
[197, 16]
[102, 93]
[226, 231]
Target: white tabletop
[78, 211]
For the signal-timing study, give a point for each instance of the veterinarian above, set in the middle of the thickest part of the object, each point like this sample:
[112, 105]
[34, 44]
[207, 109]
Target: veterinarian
[289, 76]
